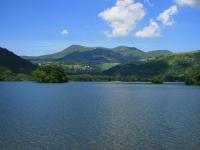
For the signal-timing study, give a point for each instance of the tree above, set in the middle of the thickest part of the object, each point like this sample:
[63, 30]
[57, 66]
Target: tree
[49, 74]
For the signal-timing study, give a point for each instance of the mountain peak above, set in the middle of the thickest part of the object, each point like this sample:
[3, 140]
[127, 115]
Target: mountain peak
[126, 48]
[76, 46]
[123, 46]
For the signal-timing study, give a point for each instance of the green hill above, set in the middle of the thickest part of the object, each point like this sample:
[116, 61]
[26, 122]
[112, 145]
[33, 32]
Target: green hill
[172, 66]
[9, 60]
[97, 55]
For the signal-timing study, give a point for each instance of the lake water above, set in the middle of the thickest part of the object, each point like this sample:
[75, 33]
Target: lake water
[99, 116]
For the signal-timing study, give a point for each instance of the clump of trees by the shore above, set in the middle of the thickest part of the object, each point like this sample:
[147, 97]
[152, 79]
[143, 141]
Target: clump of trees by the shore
[49, 74]
[158, 80]
[193, 76]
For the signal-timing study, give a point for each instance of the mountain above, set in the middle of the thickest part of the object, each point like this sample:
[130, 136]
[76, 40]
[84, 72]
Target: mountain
[171, 66]
[65, 52]
[14, 63]
[97, 55]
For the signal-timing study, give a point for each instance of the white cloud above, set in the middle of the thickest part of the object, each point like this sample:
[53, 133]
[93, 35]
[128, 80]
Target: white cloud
[64, 32]
[187, 2]
[152, 30]
[166, 16]
[123, 17]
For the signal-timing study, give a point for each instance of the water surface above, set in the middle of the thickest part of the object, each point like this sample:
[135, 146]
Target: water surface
[99, 116]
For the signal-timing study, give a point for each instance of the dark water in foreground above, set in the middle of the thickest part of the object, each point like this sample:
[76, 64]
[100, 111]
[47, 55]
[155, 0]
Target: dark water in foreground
[103, 116]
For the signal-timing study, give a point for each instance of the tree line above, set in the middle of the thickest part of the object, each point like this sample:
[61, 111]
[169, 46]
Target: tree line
[55, 73]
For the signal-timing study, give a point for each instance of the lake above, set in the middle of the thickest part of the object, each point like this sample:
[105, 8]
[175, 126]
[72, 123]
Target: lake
[99, 116]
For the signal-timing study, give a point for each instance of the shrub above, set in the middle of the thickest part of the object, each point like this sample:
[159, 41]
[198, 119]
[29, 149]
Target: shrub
[157, 80]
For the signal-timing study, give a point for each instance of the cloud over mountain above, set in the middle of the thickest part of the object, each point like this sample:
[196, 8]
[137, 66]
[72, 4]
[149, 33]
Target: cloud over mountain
[152, 30]
[166, 16]
[123, 17]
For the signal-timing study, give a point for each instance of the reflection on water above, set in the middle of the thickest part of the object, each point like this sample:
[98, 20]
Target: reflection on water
[102, 116]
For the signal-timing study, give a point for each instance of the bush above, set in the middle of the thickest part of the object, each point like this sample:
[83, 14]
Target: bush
[157, 80]
[50, 74]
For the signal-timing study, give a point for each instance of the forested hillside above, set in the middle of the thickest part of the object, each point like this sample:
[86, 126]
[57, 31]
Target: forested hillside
[172, 66]
[14, 63]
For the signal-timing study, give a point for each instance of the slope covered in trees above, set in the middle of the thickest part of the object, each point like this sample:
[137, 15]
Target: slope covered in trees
[174, 67]
[14, 63]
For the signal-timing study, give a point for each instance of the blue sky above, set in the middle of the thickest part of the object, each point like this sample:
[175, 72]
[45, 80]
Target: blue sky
[36, 27]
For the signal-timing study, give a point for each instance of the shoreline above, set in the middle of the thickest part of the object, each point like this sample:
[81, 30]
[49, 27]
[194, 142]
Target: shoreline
[136, 82]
